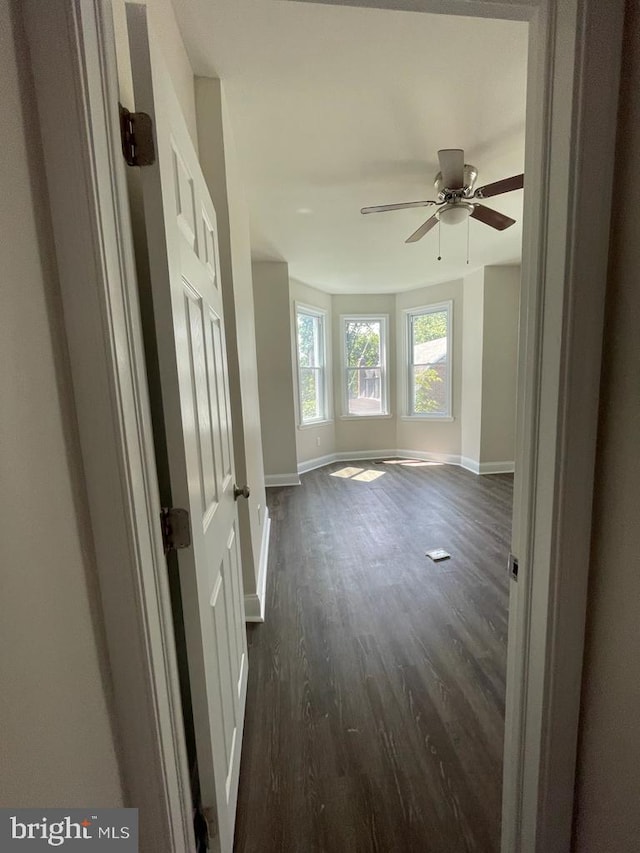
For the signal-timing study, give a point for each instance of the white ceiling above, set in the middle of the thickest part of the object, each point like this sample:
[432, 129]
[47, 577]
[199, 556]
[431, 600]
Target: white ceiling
[335, 108]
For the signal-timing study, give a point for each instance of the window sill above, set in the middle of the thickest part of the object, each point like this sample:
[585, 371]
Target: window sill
[430, 418]
[365, 417]
[312, 424]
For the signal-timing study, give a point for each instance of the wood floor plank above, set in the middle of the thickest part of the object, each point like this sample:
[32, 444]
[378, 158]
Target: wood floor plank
[375, 705]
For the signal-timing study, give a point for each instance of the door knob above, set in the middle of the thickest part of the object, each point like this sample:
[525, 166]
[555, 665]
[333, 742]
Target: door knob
[243, 492]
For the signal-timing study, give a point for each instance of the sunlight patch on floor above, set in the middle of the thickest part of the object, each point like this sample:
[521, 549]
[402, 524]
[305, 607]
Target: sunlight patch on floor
[368, 476]
[361, 474]
[346, 473]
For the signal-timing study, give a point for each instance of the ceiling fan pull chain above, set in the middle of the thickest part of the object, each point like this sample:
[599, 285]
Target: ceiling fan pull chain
[439, 252]
[468, 218]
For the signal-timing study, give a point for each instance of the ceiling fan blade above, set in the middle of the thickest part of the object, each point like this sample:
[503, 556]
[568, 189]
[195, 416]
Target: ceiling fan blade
[492, 217]
[422, 230]
[402, 206]
[506, 185]
[452, 167]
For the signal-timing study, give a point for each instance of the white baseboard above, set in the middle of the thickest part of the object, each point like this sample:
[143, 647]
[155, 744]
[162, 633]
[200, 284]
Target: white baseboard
[318, 462]
[281, 480]
[255, 603]
[470, 464]
[497, 467]
[355, 455]
[487, 467]
[443, 458]
[427, 456]
[344, 456]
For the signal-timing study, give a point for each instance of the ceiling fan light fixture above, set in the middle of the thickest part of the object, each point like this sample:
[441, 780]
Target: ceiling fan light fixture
[454, 214]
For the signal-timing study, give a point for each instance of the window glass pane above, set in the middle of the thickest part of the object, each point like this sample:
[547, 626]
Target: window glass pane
[310, 402]
[429, 363]
[429, 384]
[308, 340]
[429, 333]
[362, 343]
[311, 367]
[364, 391]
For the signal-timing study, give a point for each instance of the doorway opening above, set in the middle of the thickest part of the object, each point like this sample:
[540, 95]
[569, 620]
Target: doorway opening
[422, 367]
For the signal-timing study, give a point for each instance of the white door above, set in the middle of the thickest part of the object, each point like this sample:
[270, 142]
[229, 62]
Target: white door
[183, 255]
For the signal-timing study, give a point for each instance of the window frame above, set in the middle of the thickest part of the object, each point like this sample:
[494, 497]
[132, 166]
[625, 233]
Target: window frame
[320, 314]
[384, 365]
[408, 363]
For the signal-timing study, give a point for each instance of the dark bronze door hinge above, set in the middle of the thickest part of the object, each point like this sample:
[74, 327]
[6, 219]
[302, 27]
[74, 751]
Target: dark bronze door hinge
[176, 529]
[136, 132]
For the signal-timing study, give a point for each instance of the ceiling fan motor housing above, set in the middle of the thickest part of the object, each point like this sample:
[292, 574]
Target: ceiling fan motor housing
[451, 193]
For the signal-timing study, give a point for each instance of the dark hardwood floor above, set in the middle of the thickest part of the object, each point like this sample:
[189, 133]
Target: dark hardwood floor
[375, 707]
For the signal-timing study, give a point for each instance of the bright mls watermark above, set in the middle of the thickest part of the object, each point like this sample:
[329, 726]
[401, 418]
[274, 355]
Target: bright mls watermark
[26, 830]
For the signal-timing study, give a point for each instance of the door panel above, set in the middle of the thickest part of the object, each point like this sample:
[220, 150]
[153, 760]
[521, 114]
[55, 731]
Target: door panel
[180, 224]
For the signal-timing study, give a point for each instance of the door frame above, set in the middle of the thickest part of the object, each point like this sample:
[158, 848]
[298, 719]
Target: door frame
[574, 66]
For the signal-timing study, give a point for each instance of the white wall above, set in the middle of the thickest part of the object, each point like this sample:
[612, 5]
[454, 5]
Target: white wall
[489, 368]
[471, 376]
[57, 745]
[608, 778]
[499, 364]
[276, 373]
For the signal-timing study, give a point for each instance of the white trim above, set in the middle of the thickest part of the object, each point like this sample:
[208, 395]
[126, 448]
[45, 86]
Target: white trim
[255, 604]
[470, 464]
[427, 456]
[253, 607]
[487, 467]
[314, 424]
[281, 480]
[384, 366]
[574, 64]
[318, 462]
[497, 467]
[516, 10]
[72, 51]
[365, 417]
[407, 400]
[431, 419]
[441, 458]
[356, 455]
[323, 315]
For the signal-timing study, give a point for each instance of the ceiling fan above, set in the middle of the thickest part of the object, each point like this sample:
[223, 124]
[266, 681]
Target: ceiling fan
[455, 184]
